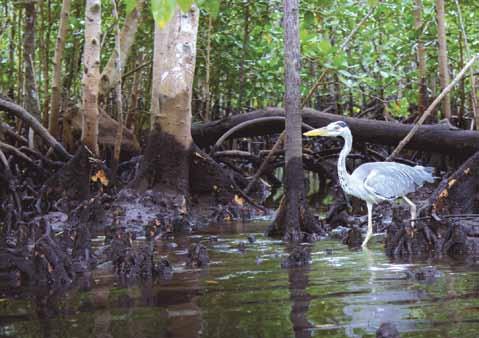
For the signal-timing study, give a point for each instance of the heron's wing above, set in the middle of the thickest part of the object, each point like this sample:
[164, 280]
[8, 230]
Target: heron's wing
[389, 180]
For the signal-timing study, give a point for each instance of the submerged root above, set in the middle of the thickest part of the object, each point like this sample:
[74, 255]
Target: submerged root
[310, 228]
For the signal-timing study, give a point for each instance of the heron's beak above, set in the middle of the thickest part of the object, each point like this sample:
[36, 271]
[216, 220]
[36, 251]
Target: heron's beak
[317, 132]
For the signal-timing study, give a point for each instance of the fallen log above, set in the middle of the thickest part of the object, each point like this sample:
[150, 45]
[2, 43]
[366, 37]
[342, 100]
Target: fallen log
[434, 138]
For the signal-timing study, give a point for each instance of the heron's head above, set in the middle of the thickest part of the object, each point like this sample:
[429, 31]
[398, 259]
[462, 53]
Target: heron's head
[338, 128]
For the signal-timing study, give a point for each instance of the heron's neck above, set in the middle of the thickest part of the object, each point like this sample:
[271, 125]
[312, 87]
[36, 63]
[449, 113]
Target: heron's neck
[342, 171]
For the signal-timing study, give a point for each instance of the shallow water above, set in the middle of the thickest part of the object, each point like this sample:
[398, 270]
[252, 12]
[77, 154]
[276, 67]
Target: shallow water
[342, 294]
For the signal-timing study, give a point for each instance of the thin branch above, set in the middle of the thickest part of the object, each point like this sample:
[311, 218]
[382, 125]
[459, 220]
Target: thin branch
[28, 118]
[18, 153]
[429, 110]
[133, 71]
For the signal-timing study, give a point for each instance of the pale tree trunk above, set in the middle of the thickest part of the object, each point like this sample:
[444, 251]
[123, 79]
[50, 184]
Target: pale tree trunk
[421, 57]
[91, 75]
[293, 215]
[443, 66]
[30, 93]
[206, 93]
[54, 126]
[111, 74]
[167, 156]
[159, 65]
[118, 97]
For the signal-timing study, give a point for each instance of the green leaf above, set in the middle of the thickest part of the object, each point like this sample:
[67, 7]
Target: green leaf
[162, 11]
[130, 5]
[185, 5]
[372, 2]
[309, 18]
[211, 6]
[324, 46]
[340, 60]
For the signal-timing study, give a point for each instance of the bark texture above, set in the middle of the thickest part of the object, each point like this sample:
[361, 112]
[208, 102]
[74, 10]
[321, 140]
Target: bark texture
[31, 101]
[443, 64]
[168, 154]
[434, 138]
[111, 74]
[294, 175]
[53, 125]
[294, 216]
[118, 94]
[91, 75]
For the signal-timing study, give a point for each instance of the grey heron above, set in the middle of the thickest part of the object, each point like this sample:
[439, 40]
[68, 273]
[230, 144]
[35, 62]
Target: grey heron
[375, 182]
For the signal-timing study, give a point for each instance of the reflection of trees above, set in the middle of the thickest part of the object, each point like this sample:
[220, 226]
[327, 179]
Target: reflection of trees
[46, 308]
[298, 281]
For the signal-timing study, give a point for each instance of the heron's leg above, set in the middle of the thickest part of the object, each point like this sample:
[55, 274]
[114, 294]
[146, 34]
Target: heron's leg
[370, 225]
[413, 209]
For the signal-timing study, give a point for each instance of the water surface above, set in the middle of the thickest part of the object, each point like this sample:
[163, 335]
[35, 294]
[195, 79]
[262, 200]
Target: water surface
[246, 294]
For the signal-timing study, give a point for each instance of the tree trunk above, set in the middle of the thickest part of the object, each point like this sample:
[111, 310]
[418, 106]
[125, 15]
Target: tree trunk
[294, 175]
[91, 75]
[111, 74]
[443, 64]
[54, 127]
[11, 52]
[20, 70]
[206, 93]
[135, 95]
[468, 55]
[295, 215]
[421, 57]
[45, 32]
[118, 94]
[30, 99]
[167, 157]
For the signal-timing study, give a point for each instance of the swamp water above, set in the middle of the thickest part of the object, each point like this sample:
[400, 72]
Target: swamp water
[246, 294]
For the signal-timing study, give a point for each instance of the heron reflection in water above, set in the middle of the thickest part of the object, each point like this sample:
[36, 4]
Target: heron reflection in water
[375, 182]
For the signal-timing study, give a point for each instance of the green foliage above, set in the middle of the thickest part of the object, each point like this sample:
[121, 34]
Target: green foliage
[185, 5]
[212, 7]
[130, 5]
[162, 11]
[247, 36]
[399, 108]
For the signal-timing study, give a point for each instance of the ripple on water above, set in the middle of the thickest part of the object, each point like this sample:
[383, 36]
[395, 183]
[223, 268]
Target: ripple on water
[247, 294]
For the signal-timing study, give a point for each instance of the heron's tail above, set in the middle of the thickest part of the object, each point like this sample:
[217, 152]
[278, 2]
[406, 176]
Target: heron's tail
[425, 173]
